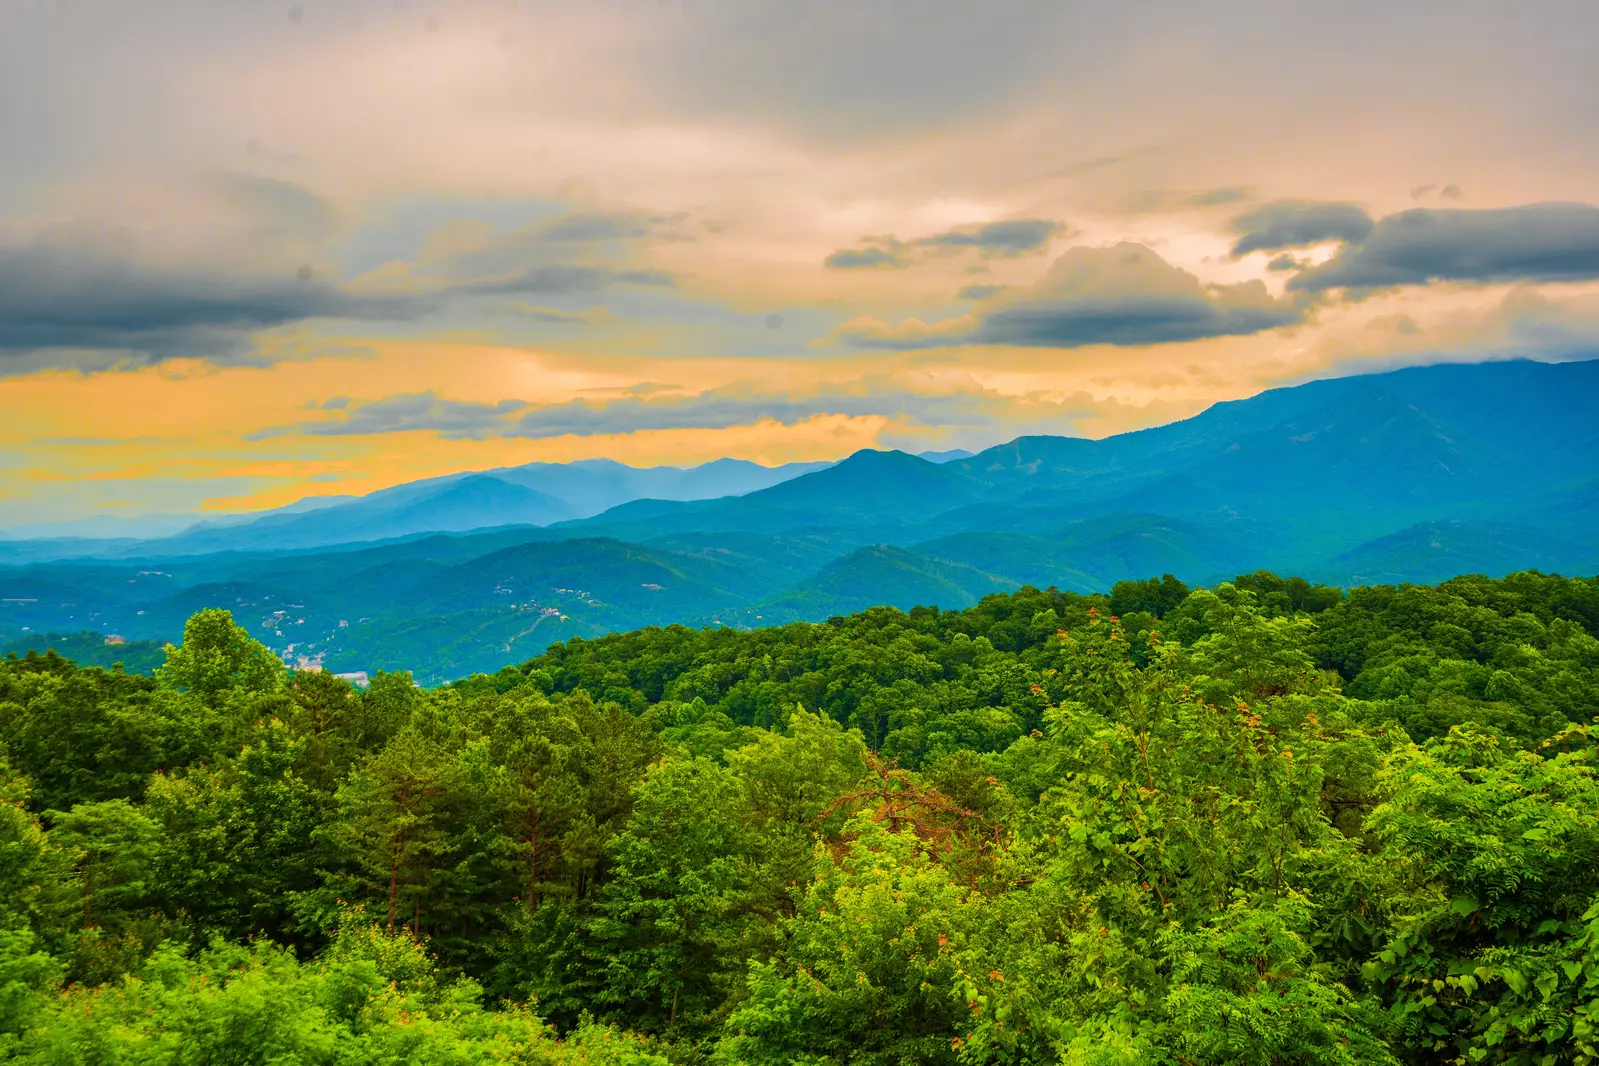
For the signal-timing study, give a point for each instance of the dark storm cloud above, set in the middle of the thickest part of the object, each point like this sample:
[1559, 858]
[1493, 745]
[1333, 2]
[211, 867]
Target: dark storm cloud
[66, 302]
[61, 296]
[1533, 243]
[1295, 224]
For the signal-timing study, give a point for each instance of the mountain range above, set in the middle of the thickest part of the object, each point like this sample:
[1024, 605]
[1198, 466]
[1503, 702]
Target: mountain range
[1411, 475]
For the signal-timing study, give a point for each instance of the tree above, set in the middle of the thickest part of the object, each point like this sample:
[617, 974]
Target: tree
[84, 735]
[1194, 835]
[113, 846]
[535, 774]
[1245, 653]
[392, 822]
[370, 999]
[218, 656]
[790, 783]
[35, 889]
[235, 838]
[1026, 832]
[1154, 596]
[1495, 947]
[672, 919]
[875, 967]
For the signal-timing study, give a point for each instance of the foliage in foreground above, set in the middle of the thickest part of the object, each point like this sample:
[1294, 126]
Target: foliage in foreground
[1267, 823]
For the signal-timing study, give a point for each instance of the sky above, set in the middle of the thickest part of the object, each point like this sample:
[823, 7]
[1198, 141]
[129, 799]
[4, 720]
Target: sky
[254, 251]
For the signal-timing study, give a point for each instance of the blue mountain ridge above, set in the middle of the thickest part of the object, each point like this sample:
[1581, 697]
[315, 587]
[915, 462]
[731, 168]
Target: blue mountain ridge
[1411, 475]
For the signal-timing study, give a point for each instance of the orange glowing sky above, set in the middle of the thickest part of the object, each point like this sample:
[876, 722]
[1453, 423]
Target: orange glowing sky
[253, 252]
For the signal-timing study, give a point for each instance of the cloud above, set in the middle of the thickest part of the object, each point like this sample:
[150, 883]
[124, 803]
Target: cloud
[1395, 323]
[1128, 295]
[559, 278]
[67, 296]
[642, 388]
[585, 227]
[72, 300]
[1007, 238]
[908, 334]
[1121, 295]
[1296, 224]
[1535, 243]
[886, 254]
[979, 291]
[890, 69]
[1533, 324]
[570, 253]
[1160, 201]
[154, 270]
[397, 414]
[278, 210]
[594, 226]
[715, 409]
[647, 408]
[1219, 197]
[591, 316]
[1396, 330]
[91, 298]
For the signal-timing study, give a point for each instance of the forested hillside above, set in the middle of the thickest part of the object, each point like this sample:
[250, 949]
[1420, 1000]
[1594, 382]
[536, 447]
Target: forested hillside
[1269, 822]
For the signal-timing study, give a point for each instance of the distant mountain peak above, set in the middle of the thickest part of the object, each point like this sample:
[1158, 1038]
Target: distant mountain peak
[881, 455]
